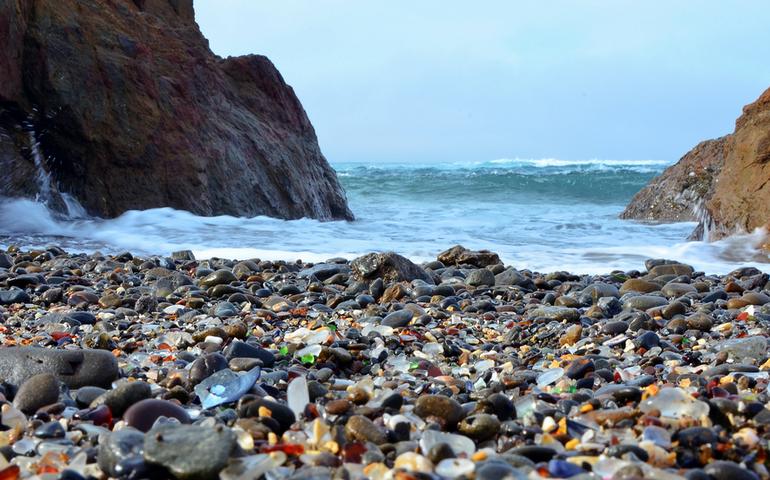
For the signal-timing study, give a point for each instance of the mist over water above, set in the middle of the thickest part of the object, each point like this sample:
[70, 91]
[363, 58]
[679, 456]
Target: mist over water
[544, 214]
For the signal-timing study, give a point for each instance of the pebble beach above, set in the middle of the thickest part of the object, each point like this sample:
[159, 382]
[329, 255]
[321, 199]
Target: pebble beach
[132, 367]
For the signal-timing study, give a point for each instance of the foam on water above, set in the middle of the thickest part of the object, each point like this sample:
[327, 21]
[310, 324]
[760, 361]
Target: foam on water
[544, 215]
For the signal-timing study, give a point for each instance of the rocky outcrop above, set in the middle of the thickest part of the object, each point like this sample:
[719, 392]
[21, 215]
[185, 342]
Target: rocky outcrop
[723, 184]
[132, 110]
[677, 194]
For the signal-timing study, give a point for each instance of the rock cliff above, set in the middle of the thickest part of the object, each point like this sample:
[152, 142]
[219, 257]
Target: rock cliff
[131, 110]
[723, 184]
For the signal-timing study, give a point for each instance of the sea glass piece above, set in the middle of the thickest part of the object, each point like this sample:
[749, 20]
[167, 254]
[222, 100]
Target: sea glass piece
[550, 376]
[297, 395]
[226, 386]
[675, 403]
[459, 443]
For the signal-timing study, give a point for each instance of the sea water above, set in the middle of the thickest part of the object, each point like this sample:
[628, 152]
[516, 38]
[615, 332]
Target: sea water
[544, 215]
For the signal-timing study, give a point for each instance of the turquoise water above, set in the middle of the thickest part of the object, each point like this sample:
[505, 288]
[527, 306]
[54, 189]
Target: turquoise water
[539, 214]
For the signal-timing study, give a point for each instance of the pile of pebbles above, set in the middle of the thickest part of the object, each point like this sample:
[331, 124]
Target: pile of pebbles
[461, 368]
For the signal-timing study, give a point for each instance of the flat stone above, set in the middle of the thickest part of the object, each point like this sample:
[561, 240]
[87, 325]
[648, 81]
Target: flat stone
[190, 452]
[143, 414]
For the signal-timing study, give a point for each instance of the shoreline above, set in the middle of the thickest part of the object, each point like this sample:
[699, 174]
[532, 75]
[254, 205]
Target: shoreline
[458, 368]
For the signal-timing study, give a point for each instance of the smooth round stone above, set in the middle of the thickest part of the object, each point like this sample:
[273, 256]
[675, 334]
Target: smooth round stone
[397, 319]
[700, 321]
[86, 395]
[50, 430]
[567, 301]
[673, 290]
[579, 367]
[644, 302]
[499, 405]
[190, 451]
[14, 295]
[143, 414]
[534, 452]
[615, 327]
[696, 436]
[244, 349]
[225, 310]
[280, 413]
[362, 429]
[755, 298]
[480, 426]
[647, 340]
[38, 391]
[675, 308]
[481, 277]
[123, 396]
[117, 447]
[439, 406]
[338, 407]
[220, 277]
[205, 366]
[724, 470]
[638, 285]
[497, 470]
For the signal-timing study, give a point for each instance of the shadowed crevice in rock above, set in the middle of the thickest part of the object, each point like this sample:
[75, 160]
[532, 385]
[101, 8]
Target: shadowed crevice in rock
[133, 111]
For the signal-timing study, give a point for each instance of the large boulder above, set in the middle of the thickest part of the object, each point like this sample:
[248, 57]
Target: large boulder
[389, 266]
[723, 184]
[130, 109]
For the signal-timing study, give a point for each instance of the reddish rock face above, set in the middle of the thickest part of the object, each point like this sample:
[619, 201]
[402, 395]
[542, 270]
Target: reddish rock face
[724, 184]
[133, 111]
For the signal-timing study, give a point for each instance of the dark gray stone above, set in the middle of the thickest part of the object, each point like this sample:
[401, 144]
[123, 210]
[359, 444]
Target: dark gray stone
[76, 368]
[190, 452]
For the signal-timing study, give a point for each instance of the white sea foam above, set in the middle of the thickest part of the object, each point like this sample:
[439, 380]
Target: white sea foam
[543, 222]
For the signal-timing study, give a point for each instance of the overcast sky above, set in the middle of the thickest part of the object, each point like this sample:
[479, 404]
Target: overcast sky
[451, 80]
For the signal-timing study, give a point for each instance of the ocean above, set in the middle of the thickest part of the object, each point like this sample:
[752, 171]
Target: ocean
[542, 215]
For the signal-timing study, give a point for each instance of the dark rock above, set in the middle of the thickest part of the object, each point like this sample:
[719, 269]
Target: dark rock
[119, 399]
[481, 277]
[723, 470]
[397, 319]
[76, 368]
[190, 451]
[118, 446]
[480, 426]
[143, 414]
[206, 365]
[86, 395]
[14, 295]
[244, 349]
[50, 430]
[389, 266]
[209, 135]
[36, 392]
[362, 429]
[459, 255]
[440, 407]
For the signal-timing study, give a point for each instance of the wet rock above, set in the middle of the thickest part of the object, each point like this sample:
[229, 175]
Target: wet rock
[190, 451]
[389, 266]
[117, 447]
[76, 368]
[480, 426]
[362, 429]
[397, 319]
[36, 392]
[13, 295]
[480, 278]
[120, 398]
[143, 414]
[440, 407]
[723, 470]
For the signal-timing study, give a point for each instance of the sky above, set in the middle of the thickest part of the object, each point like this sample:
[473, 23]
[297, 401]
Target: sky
[454, 81]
